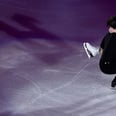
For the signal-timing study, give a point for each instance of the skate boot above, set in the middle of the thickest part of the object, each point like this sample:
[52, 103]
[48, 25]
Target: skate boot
[113, 83]
[90, 50]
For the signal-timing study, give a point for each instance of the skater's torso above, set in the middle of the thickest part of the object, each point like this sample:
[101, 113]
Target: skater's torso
[109, 47]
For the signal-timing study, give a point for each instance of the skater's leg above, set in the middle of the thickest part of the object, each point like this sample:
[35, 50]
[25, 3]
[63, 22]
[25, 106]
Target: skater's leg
[109, 67]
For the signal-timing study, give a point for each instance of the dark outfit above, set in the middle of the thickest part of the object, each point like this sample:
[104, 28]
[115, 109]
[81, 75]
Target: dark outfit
[108, 59]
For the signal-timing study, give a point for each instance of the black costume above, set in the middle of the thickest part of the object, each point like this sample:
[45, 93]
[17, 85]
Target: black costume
[108, 59]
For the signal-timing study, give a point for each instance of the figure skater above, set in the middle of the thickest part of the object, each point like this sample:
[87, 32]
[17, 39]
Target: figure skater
[107, 50]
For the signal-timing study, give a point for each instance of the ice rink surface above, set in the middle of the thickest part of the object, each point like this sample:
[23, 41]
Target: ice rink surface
[44, 70]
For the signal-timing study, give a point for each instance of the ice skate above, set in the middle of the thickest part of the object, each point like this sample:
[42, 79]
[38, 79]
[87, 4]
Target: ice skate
[113, 83]
[90, 50]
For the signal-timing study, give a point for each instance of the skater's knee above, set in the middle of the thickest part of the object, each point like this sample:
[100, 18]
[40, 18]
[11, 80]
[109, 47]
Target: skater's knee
[106, 67]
